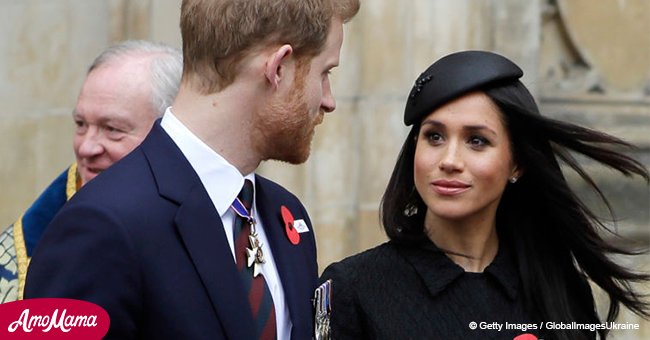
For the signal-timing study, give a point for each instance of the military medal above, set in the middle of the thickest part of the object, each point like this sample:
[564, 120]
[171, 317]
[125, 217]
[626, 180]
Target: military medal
[254, 254]
[322, 311]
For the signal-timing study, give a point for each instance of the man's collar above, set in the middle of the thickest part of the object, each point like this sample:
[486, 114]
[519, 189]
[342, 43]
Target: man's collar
[221, 179]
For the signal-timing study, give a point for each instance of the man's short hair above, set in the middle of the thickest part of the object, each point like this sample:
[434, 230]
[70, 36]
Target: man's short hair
[218, 34]
[165, 68]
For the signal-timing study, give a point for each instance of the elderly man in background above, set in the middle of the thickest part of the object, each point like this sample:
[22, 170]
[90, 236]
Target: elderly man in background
[127, 87]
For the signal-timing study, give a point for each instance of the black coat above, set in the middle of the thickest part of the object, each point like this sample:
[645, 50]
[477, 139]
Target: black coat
[398, 291]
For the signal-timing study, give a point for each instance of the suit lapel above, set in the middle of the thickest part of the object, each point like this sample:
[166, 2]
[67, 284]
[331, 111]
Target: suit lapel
[289, 258]
[201, 231]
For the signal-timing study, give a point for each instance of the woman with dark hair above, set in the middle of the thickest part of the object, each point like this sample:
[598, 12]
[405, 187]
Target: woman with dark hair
[487, 239]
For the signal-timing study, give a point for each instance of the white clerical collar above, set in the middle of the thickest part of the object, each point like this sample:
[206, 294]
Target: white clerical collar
[220, 178]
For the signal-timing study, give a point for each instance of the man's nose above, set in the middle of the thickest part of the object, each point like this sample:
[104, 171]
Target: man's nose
[91, 143]
[328, 102]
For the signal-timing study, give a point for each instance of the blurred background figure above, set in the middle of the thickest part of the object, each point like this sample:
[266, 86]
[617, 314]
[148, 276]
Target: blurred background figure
[127, 87]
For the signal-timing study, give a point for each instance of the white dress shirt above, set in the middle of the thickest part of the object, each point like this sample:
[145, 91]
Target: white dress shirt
[223, 182]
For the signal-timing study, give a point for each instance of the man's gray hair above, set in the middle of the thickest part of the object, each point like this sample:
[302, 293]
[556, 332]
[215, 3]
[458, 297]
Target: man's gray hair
[165, 70]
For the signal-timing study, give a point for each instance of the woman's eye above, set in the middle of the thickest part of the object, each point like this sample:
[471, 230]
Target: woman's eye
[478, 141]
[433, 137]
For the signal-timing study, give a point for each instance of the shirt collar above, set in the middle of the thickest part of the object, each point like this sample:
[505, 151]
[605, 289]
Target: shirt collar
[438, 271]
[221, 179]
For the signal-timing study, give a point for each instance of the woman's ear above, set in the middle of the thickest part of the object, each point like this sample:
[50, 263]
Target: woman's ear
[516, 173]
[275, 64]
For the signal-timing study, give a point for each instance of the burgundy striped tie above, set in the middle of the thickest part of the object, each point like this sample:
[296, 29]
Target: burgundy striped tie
[259, 295]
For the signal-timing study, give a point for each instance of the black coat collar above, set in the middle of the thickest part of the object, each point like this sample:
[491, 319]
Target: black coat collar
[438, 271]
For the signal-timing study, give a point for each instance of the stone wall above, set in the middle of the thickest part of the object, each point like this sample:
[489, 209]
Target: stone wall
[584, 63]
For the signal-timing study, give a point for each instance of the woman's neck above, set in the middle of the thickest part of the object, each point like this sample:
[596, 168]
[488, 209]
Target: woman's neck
[470, 243]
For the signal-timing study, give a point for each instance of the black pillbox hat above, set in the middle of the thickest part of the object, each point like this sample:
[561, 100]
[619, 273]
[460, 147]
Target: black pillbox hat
[453, 76]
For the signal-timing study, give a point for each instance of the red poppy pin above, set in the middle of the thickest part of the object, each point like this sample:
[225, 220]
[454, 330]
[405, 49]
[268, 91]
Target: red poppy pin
[292, 233]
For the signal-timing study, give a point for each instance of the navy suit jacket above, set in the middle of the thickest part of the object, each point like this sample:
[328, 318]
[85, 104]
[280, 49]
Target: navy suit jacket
[144, 241]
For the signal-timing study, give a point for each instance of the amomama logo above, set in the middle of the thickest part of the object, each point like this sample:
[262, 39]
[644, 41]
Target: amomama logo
[51, 318]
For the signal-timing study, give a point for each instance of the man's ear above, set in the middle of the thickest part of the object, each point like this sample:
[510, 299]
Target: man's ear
[275, 65]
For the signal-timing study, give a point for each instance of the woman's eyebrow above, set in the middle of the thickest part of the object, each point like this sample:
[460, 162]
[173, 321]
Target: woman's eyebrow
[477, 127]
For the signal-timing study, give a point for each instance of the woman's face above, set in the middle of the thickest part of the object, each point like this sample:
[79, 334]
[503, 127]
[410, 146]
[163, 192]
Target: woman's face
[463, 159]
